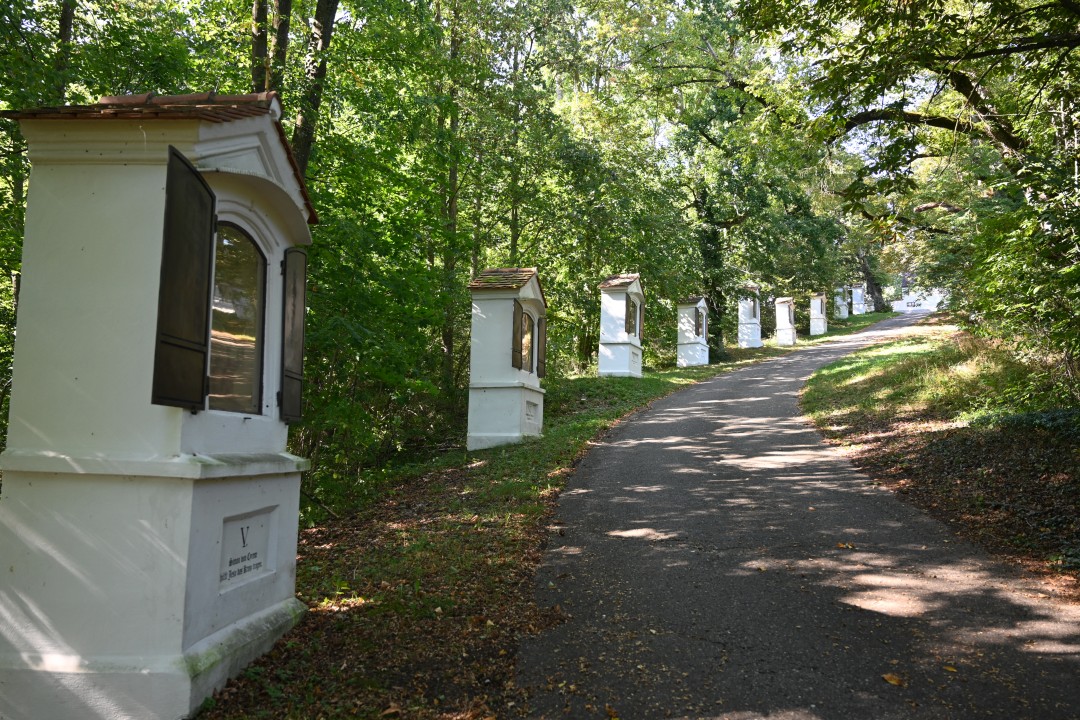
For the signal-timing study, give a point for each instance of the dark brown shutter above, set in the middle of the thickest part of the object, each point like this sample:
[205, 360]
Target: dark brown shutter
[698, 322]
[641, 320]
[515, 340]
[187, 257]
[541, 347]
[627, 313]
[292, 352]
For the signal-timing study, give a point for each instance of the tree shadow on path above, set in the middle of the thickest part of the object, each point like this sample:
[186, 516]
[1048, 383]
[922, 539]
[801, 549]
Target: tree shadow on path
[716, 559]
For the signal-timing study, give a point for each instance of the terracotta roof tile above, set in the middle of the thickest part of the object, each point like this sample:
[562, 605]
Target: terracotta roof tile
[505, 279]
[502, 278]
[617, 281]
[207, 107]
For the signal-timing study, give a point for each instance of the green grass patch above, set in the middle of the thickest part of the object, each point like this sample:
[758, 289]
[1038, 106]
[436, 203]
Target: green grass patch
[939, 374]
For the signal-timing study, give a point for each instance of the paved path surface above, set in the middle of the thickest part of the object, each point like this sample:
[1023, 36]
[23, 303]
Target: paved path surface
[717, 560]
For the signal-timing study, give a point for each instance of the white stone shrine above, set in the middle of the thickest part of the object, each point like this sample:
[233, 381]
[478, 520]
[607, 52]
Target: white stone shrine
[693, 345]
[858, 300]
[148, 522]
[819, 323]
[785, 321]
[622, 314]
[749, 318]
[840, 300]
[508, 356]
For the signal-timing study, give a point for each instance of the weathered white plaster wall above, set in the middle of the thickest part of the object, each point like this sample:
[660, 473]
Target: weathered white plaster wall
[117, 515]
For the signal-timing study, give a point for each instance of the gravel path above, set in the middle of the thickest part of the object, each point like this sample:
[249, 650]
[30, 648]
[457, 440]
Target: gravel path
[715, 559]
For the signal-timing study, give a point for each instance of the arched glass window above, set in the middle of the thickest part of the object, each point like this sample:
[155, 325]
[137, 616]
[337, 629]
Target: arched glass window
[236, 325]
[527, 325]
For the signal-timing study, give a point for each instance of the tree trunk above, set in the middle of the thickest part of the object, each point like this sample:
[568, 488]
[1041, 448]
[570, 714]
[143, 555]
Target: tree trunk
[63, 48]
[515, 170]
[322, 29]
[259, 57]
[873, 288]
[282, 18]
[449, 124]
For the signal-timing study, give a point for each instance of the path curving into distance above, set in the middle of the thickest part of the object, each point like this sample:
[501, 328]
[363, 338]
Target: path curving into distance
[716, 559]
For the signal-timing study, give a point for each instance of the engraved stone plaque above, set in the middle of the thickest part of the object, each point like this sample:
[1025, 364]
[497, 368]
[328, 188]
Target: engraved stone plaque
[245, 547]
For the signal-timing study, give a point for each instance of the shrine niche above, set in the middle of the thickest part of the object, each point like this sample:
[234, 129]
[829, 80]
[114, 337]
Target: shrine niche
[840, 303]
[508, 357]
[622, 316]
[858, 300]
[819, 322]
[693, 342]
[750, 317]
[150, 507]
[785, 321]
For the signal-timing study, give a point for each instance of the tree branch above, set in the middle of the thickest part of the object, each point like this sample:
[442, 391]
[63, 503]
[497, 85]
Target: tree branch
[941, 204]
[1020, 45]
[906, 116]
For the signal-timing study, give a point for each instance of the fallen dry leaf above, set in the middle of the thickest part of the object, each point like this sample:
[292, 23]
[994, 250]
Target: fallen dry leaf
[893, 679]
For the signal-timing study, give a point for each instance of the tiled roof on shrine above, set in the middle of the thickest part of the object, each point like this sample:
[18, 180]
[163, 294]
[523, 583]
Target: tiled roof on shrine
[208, 107]
[618, 281]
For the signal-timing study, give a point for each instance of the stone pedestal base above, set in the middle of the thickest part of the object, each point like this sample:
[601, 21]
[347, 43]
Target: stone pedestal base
[503, 414]
[619, 360]
[692, 354]
[750, 335]
[858, 308]
[136, 596]
[785, 336]
[818, 326]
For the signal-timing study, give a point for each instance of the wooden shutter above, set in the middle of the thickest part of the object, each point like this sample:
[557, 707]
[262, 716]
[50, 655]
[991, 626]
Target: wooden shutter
[641, 320]
[699, 325]
[541, 347]
[627, 313]
[187, 260]
[515, 340]
[294, 269]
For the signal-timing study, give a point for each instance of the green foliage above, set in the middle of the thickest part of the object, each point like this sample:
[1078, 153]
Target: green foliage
[964, 117]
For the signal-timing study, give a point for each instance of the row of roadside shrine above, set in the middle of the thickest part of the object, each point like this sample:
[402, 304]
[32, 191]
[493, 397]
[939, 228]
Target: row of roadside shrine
[150, 505]
[506, 402]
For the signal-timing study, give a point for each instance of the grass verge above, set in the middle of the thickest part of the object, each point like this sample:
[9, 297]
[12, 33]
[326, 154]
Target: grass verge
[958, 428]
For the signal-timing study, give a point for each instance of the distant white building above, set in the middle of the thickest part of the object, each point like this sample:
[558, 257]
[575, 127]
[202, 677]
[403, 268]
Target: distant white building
[693, 332]
[925, 301]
